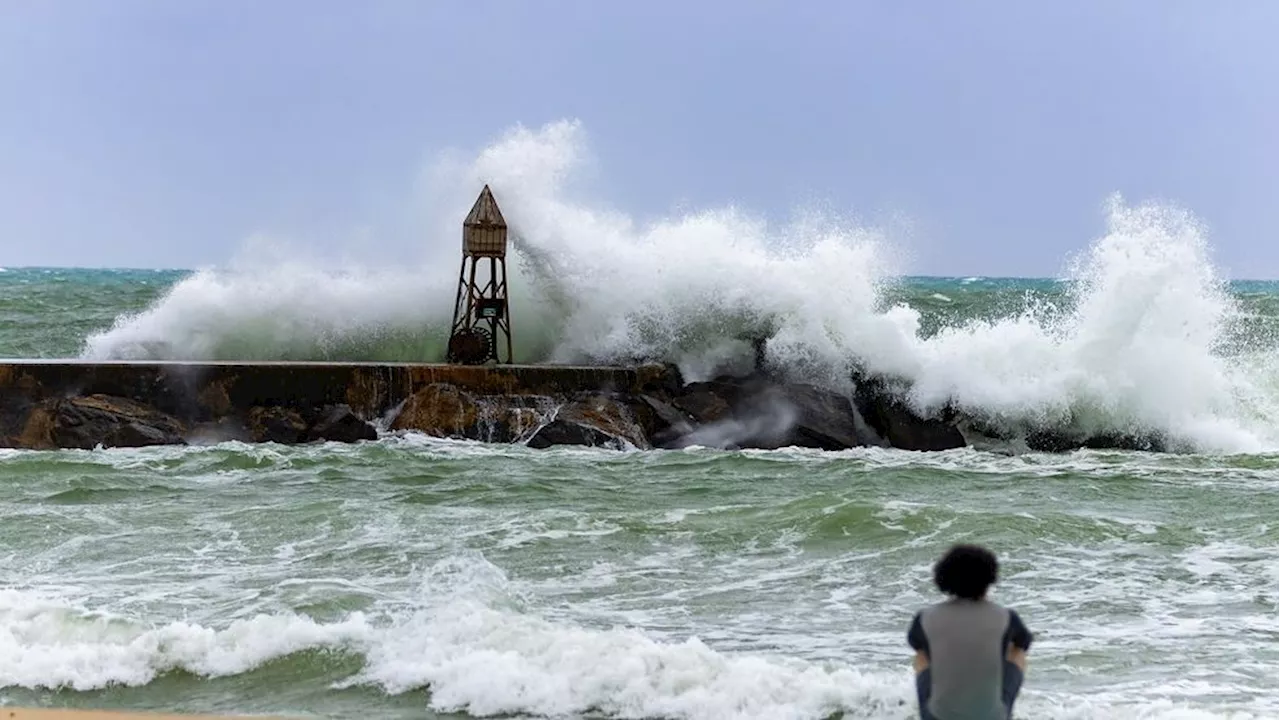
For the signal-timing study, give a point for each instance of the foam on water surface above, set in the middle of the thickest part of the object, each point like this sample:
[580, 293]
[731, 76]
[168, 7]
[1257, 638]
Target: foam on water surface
[694, 584]
[476, 652]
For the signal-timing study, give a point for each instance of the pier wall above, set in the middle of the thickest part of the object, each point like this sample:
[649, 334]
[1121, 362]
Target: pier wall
[206, 392]
[47, 404]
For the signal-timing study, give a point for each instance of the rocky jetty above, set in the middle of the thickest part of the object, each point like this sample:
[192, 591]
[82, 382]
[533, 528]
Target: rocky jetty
[84, 405]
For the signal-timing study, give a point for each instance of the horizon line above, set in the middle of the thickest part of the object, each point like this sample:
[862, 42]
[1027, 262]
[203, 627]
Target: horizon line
[6, 268]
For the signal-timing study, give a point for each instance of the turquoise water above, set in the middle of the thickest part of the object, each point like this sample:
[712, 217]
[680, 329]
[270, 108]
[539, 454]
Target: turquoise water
[419, 578]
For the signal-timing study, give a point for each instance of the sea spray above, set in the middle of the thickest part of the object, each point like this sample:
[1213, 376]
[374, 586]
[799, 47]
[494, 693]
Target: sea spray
[587, 286]
[1142, 339]
[268, 306]
[1136, 351]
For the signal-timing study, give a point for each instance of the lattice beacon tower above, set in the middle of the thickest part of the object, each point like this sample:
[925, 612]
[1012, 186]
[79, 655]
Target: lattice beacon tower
[481, 330]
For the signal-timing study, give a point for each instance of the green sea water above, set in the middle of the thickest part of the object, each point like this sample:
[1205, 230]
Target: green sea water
[412, 577]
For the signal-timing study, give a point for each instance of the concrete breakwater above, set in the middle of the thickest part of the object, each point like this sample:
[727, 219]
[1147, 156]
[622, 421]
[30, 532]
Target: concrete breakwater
[45, 404]
[73, 404]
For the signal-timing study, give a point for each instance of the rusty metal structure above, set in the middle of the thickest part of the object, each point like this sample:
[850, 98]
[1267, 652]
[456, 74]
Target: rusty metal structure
[481, 330]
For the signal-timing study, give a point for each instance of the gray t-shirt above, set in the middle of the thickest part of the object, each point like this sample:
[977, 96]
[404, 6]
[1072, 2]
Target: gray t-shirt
[966, 642]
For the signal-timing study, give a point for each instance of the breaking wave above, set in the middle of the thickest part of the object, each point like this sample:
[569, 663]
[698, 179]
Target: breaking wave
[466, 640]
[1142, 335]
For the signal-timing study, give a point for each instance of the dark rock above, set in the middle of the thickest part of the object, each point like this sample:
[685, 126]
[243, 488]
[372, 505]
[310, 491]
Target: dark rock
[1054, 441]
[890, 417]
[825, 419]
[661, 421]
[662, 380]
[705, 402]
[665, 412]
[1003, 436]
[37, 429]
[212, 432]
[566, 432]
[510, 418]
[762, 419]
[25, 421]
[440, 410]
[768, 416]
[753, 411]
[87, 422]
[596, 421]
[277, 424]
[339, 423]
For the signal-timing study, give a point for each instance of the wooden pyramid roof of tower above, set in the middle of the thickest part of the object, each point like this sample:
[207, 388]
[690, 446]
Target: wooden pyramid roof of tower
[485, 212]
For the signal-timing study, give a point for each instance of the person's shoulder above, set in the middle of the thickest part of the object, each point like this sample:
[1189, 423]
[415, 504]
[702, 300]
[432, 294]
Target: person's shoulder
[1017, 631]
[931, 609]
[1014, 617]
[1013, 612]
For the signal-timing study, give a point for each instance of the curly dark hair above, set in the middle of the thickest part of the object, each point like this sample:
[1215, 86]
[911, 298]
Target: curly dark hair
[966, 571]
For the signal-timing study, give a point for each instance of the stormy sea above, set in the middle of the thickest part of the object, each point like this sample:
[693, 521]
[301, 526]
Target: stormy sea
[418, 577]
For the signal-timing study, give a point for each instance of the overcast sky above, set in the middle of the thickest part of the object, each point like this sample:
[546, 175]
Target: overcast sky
[150, 133]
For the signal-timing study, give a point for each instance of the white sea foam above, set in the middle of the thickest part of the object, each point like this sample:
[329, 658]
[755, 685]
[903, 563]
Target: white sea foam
[267, 305]
[472, 644]
[48, 643]
[475, 658]
[1140, 349]
[488, 662]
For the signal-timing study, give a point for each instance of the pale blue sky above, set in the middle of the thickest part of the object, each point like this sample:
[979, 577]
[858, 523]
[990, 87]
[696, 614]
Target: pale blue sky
[154, 133]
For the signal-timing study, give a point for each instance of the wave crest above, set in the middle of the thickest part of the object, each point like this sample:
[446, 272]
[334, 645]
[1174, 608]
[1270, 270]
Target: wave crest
[1145, 338]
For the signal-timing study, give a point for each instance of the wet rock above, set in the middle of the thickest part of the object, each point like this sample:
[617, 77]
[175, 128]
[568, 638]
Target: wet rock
[824, 419]
[762, 420]
[890, 417]
[661, 422]
[567, 432]
[596, 421]
[1058, 440]
[339, 423]
[439, 410]
[509, 419]
[662, 380]
[706, 402]
[37, 430]
[767, 416]
[87, 422]
[25, 421]
[225, 429]
[1014, 437]
[442, 410]
[277, 425]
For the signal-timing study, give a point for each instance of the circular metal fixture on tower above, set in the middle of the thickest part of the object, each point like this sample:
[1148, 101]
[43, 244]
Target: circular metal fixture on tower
[471, 346]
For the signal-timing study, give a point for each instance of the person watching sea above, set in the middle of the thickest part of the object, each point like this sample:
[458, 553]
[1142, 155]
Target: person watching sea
[971, 653]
